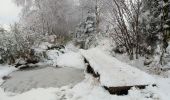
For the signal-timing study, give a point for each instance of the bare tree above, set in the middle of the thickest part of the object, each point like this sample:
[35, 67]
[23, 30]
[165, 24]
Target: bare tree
[125, 20]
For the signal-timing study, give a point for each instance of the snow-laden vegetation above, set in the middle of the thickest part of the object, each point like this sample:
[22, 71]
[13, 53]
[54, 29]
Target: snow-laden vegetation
[87, 50]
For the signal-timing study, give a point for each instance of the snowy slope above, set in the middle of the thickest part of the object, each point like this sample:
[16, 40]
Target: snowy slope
[113, 72]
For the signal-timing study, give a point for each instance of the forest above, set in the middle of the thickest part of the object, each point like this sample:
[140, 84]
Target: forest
[106, 50]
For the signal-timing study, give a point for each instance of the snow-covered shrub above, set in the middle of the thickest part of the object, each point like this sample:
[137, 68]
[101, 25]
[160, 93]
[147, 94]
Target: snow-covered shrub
[2, 52]
[85, 32]
[120, 49]
[71, 47]
[153, 20]
[7, 47]
[17, 43]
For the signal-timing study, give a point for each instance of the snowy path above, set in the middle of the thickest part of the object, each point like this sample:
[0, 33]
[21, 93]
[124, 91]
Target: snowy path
[22, 81]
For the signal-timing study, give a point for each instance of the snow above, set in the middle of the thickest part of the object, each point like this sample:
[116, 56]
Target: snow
[35, 94]
[53, 56]
[71, 47]
[44, 45]
[163, 89]
[90, 88]
[68, 59]
[166, 26]
[168, 48]
[71, 59]
[86, 90]
[106, 44]
[5, 70]
[138, 63]
[113, 72]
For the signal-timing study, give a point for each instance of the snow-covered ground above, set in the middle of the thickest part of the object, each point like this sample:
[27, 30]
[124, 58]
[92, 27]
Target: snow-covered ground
[90, 89]
[5, 70]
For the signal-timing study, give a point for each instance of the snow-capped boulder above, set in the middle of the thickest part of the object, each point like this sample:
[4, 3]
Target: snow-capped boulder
[71, 59]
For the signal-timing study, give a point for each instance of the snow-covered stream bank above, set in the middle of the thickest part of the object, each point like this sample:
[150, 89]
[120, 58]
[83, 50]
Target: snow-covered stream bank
[88, 89]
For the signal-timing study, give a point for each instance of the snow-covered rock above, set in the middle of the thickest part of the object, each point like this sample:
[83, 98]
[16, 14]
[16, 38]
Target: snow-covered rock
[71, 47]
[71, 59]
[44, 45]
